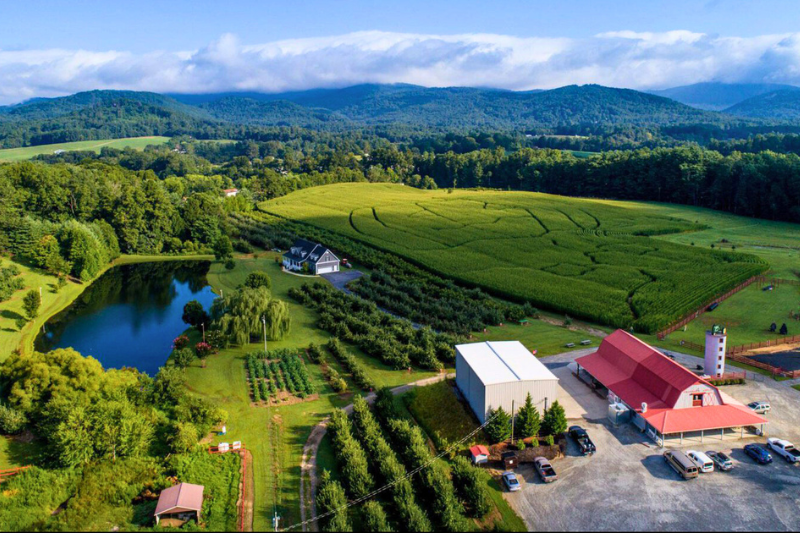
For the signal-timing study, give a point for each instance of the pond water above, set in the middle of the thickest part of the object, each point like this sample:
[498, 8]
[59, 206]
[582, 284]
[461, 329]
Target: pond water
[129, 316]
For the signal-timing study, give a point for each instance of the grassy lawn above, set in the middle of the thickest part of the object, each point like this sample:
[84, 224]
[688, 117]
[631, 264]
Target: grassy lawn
[545, 338]
[9, 155]
[426, 405]
[748, 315]
[275, 435]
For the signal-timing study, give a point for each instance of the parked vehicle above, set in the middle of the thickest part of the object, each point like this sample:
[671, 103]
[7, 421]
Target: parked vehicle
[785, 449]
[722, 461]
[511, 482]
[545, 470]
[703, 461]
[761, 408]
[680, 462]
[758, 454]
[585, 444]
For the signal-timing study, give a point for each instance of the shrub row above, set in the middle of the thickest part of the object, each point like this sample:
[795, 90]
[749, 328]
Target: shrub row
[392, 340]
[436, 485]
[350, 455]
[388, 468]
[351, 363]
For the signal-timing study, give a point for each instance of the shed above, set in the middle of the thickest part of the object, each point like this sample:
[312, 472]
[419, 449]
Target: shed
[495, 374]
[480, 454]
[180, 503]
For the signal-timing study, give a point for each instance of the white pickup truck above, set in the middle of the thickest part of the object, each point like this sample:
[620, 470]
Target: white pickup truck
[785, 449]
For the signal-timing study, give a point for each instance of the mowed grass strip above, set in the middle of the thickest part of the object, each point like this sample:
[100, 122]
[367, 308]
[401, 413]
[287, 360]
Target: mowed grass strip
[589, 259]
[9, 155]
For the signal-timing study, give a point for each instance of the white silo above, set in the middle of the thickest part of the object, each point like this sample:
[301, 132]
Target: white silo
[716, 343]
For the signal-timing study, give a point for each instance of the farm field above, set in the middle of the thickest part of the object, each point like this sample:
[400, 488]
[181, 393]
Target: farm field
[585, 258]
[9, 155]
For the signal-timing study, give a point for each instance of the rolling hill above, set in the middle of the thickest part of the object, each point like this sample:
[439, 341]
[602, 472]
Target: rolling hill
[777, 105]
[716, 96]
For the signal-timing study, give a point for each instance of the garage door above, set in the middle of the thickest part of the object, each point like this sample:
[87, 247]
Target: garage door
[327, 269]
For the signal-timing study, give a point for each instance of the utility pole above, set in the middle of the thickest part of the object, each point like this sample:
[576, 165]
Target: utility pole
[264, 321]
[512, 422]
[203, 325]
[276, 520]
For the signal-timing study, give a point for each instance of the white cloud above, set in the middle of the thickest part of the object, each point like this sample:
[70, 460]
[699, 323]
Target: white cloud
[620, 59]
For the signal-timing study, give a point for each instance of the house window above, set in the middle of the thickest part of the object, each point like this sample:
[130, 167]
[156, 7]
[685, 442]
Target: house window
[697, 400]
[720, 349]
[721, 341]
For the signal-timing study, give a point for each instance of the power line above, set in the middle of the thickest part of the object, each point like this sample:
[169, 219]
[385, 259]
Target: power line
[395, 482]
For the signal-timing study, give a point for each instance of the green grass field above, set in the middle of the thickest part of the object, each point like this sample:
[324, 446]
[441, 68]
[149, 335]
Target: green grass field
[9, 155]
[583, 257]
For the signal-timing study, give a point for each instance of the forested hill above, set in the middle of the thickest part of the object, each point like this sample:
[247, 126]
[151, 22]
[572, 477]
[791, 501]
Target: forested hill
[100, 115]
[778, 105]
[458, 108]
[573, 109]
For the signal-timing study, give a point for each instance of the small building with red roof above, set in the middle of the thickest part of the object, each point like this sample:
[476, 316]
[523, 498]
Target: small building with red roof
[180, 504]
[480, 454]
[667, 399]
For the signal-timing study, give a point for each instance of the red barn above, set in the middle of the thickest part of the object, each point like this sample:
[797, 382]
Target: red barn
[667, 400]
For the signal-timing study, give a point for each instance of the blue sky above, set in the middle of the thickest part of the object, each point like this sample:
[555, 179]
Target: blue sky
[53, 47]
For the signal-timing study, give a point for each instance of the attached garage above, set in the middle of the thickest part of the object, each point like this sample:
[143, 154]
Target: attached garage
[497, 374]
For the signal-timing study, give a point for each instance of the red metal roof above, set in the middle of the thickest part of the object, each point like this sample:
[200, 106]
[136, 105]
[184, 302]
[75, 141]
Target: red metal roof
[637, 372]
[183, 496]
[479, 450]
[708, 417]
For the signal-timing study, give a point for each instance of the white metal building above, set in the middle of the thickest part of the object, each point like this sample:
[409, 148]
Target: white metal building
[493, 374]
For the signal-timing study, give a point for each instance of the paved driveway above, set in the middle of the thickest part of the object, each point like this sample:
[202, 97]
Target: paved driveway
[342, 278]
[627, 485]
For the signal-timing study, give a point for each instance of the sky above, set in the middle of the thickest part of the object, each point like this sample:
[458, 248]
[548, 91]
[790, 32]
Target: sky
[53, 48]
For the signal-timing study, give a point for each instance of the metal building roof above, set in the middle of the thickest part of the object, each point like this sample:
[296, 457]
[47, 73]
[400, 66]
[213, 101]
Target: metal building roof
[503, 362]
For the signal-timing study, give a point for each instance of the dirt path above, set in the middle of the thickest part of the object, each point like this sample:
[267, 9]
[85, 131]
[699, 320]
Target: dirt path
[308, 463]
[249, 487]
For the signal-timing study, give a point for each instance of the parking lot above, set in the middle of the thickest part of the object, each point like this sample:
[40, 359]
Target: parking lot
[628, 486]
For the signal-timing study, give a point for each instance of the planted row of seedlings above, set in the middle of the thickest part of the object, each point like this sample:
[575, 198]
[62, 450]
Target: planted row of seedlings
[356, 369]
[283, 372]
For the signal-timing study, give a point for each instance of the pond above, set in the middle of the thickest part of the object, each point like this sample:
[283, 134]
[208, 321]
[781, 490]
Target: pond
[129, 316]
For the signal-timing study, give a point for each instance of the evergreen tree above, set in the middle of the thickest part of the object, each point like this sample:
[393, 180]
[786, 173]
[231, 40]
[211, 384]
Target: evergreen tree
[331, 498]
[373, 517]
[31, 303]
[555, 420]
[499, 429]
[528, 421]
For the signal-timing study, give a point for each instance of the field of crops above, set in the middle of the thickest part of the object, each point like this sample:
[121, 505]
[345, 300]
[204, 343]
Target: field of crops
[19, 154]
[581, 257]
[279, 378]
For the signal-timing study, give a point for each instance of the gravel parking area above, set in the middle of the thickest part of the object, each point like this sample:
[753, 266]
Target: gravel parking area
[342, 278]
[628, 486]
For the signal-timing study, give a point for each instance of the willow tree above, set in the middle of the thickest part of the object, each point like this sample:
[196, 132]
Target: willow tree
[239, 317]
[278, 320]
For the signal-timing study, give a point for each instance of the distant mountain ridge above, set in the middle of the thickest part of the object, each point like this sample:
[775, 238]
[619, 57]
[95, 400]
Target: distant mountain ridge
[101, 114]
[715, 96]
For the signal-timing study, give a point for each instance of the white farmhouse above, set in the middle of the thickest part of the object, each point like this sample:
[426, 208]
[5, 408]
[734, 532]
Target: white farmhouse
[319, 259]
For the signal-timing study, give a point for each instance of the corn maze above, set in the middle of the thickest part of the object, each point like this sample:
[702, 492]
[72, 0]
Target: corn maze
[582, 257]
[279, 378]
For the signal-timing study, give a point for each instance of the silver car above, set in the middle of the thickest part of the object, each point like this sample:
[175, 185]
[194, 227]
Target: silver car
[760, 408]
[511, 482]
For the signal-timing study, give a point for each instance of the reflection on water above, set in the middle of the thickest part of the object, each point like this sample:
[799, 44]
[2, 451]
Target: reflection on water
[130, 315]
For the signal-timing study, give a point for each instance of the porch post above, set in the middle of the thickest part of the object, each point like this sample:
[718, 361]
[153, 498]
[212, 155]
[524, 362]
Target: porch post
[702, 434]
[681, 437]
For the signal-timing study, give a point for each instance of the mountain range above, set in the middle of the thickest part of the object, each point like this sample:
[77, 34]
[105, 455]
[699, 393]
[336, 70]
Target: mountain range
[107, 114]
